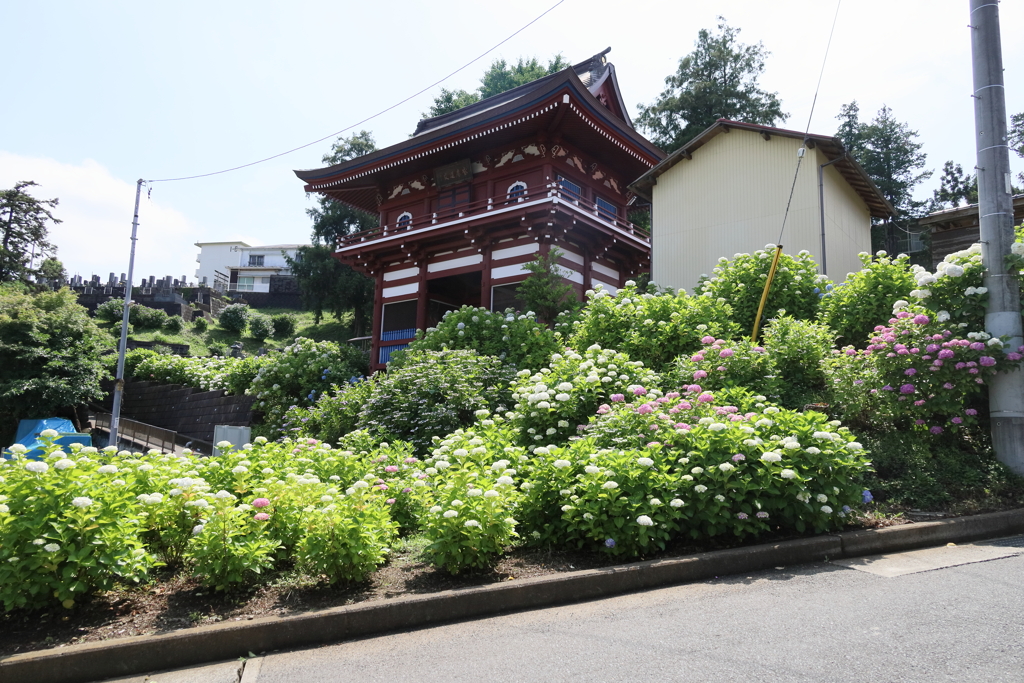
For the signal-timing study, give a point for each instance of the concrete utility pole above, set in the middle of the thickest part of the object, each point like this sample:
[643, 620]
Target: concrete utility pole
[995, 210]
[115, 412]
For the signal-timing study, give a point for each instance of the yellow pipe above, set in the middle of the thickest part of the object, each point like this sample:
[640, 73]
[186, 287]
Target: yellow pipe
[764, 294]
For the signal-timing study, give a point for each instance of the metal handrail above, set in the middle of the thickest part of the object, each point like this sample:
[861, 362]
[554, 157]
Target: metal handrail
[141, 435]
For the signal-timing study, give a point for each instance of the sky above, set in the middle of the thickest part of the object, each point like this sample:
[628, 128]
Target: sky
[101, 94]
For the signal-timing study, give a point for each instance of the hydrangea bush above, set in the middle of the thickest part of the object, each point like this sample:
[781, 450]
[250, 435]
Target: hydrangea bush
[653, 328]
[517, 339]
[432, 393]
[853, 307]
[740, 282]
[954, 293]
[915, 369]
[552, 404]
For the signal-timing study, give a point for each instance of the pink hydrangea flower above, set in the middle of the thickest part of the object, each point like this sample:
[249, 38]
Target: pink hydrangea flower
[390, 501]
[921, 319]
[958, 420]
[684, 405]
[260, 503]
[946, 354]
[919, 421]
[738, 457]
[682, 425]
[919, 403]
[694, 388]
[645, 408]
[672, 394]
[902, 314]
[604, 408]
[987, 361]
[936, 430]
[947, 385]
[1013, 356]
[639, 391]
[616, 398]
[971, 411]
[261, 516]
[910, 372]
[706, 398]
[697, 357]
[977, 346]
[758, 349]
[726, 353]
[700, 374]
[707, 340]
[907, 389]
[391, 468]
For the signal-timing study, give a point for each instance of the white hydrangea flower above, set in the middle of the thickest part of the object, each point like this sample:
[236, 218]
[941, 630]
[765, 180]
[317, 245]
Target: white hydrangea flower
[451, 513]
[720, 498]
[771, 456]
[788, 474]
[676, 503]
[726, 467]
[700, 488]
[644, 520]
[610, 485]
[645, 462]
[471, 523]
[826, 509]
[560, 464]
[37, 466]
[64, 464]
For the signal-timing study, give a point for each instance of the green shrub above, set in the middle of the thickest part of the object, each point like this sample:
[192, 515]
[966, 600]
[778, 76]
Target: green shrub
[145, 318]
[261, 325]
[954, 294]
[653, 328]
[348, 538]
[518, 339]
[723, 364]
[200, 323]
[284, 324]
[173, 325]
[796, 349]
[217, 348]
[111, 311]
[335, 413]
[433, 393]
[916, 374]
[553, 403]
[298, 375]
[469, 519]
[229, 547]
[853, 308]
[235, 317]
[67, 528]
[740, 283]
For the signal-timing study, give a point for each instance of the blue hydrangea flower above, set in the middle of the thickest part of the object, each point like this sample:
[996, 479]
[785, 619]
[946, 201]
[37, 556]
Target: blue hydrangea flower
[866, 496]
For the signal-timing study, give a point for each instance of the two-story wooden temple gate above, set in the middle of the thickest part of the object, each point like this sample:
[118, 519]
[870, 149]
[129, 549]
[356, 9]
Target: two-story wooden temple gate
[478, 192]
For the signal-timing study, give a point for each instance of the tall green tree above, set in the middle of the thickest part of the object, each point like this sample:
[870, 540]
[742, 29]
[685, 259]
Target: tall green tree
[328, 286]
[52, 271]
[333, 219]
[719, 79]
[956, 187]
[24, 226]
[498, 78]
[891, 155]
[50, 352]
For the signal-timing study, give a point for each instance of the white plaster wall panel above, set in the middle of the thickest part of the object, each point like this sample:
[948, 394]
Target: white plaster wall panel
[572, 256]
[401, 290]
[518, 250]
[454, 263]
[604, 270]
[573, 276]
[508, 271]
[401, 274]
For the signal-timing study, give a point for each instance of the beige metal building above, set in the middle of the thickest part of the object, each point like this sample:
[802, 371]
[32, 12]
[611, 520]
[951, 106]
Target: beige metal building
[725, 192]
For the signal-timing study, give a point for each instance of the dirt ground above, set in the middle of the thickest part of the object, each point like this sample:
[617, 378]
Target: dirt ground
[175, 600]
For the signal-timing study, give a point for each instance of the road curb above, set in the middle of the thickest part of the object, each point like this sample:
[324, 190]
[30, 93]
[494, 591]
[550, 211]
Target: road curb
[188, 647]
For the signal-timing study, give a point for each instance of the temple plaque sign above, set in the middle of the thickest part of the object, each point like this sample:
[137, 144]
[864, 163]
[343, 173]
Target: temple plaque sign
[453, 174]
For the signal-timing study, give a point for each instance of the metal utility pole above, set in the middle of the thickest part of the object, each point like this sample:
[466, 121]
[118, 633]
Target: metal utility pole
[115, 412]
[995, 210]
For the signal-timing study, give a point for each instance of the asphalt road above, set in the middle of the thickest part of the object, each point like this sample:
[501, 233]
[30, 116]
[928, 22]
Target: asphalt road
[811, 623]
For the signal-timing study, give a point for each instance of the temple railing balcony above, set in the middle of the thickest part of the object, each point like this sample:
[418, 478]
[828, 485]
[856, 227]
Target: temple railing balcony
[600, 212]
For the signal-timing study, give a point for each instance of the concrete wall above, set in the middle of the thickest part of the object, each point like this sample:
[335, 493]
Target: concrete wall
[731, 197]
[215, 256]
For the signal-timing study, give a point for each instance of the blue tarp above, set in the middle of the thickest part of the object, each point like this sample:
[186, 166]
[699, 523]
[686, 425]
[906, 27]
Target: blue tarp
[29, 430]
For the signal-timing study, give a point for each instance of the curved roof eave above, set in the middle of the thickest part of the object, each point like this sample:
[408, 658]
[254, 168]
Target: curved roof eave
[528, 97]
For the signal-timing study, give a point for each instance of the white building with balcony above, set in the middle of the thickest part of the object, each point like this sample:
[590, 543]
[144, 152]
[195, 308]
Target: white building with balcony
[241, 267]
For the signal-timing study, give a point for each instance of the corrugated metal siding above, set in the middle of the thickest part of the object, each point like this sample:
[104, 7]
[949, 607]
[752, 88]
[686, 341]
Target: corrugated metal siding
[731, 198]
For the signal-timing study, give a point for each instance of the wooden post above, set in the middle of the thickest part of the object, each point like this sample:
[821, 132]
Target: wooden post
[485, 276]
[422, 302]
[378, 313]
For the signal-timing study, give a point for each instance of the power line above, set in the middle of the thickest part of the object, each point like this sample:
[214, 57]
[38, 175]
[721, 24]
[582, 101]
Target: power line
[807, 130]
[368, 118]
